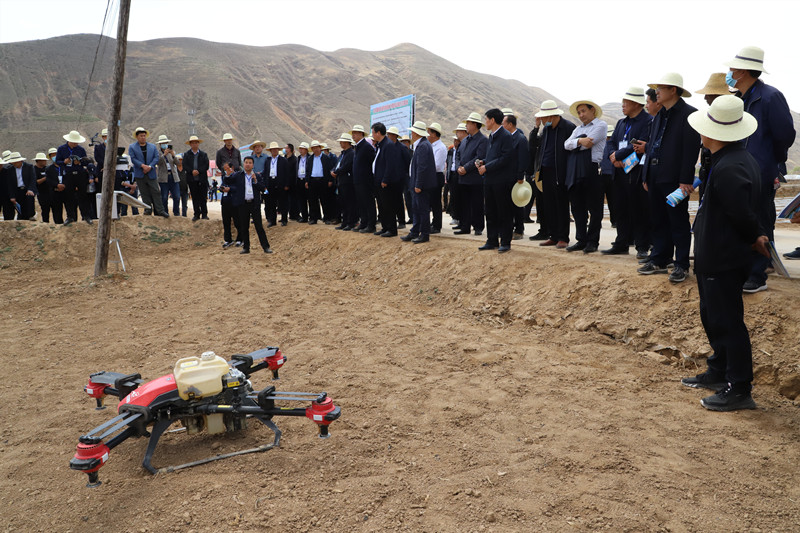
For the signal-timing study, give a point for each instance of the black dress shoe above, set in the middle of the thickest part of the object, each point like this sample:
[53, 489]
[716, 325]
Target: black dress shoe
[205, 217]
[433, 231]
[270, 224]
[347, 228]
[302, 220]
[340, 226]
[389, 234]
[267, 250]
[195, 219]
[575, 247]
[590, 248]
[401, 226]
[312, 222]
[503, 249]
[245, 251]
[615, 250]
[283, 222]
[462, 232]
[365, 230]
[421, 239]
[642, 254]
[528, 221]
[487, 246]
[539, 237]
[378, 232]
[408, 238]
[409, 221]
[478, 232]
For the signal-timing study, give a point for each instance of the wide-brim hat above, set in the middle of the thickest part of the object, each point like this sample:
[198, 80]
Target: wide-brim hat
[748, 58]
[725, 120]
[315, 144]
[14, 157]
[462, 126]
[393, 130]
[405, 138]
[715, 85]
[74, 137]
[104, 132]
[304, 145]
[598, 111]
[178, 156]
[193, 138]
[674, 79]
[549, 108]
[139, 130]
[164, 139]
[52, 151]
[347, 138]
[610, 130]
[227, 137]
[274, 146]
[324, 146]
[507, 111]
[359, 128]
[420, 128]
[262, 144]
[636, 95]
[435, 126]
[476, 118]
[521, 194]
[6, 153]
[41, 157]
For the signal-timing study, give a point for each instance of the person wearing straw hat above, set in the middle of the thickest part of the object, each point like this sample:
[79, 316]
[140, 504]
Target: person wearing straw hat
[405, 162]
[196, 164]
[769, 144]
[422, 181]
[670, 157]
[71, 147]
[727, 231]
[550, 162]
[100, 153]
[630, 198]
[168, 179]
[470, 181]
[22, 189]
[300, 183]
[61, 191]
[388, 179]
[343, 172]
[228, 152]
[276, 178]
[259, 156]
[363, 156]
[44, 194]
[318, 171]
[523, 161]
[440, 158]
[292, 200]
[451, 178]
[330, 203]
[246, 187]
[144, 156]
[714, 88]
[500, 172]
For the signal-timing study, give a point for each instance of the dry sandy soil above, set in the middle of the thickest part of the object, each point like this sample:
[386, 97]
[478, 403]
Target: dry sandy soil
[530, 391]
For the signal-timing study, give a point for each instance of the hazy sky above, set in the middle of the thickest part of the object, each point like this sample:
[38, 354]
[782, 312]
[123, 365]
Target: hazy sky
[573, 49]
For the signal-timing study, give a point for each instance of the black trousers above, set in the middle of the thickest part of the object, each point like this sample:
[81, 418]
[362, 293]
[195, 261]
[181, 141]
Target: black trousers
[538, 200]
[471, 209]
[26, 203]
[316, 188]
[453, 203]
[277, 201]
[231, 214]
[436, 202]
[408, 201]
[672, 232]
[391, 198]
[401, 204]
[633, 214]
[611, 200]
[84, 200]
[722, 314]
[199, 192]
[766, 217]
[59, 202]
[586, 200]
[499, 213]
[244, 213]
[330, 208]
[555, 204]
[301, 198]
[46, 205]
[420, 213]
[349, 204]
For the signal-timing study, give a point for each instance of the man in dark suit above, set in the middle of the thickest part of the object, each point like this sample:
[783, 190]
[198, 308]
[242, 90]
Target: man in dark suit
[523, 160]
[364, 155]
[388, 179]
[405, 162]
[61, 192]
[277, 177]
[294, 204]
[100, 154]
[245, 190]
[300, 191]
[229, 212]
[195, 162]
[71, 147]
[318, 178]
[451, 176]
[470, 182]
[499, 171]
[343, 172]
[423, 181]
[40, 169]
[22, 191]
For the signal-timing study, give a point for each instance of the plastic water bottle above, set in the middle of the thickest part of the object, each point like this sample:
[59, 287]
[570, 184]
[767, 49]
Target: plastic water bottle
[677, 196]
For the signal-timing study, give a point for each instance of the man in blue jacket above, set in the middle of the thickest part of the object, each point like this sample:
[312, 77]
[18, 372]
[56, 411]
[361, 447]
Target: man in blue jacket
[144, 156]
[422, 179]
[769, 144]
[499, 171]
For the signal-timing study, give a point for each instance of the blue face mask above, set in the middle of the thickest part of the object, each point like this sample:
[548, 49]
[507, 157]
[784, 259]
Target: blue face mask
[53, 159]
[729, 79]
[548, 124]
[164, 146]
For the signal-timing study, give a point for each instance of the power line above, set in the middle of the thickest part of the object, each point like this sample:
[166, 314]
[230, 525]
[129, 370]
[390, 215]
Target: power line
[94, 63]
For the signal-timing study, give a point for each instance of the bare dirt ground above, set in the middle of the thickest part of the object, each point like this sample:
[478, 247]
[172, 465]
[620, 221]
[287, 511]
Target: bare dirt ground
[532, 391]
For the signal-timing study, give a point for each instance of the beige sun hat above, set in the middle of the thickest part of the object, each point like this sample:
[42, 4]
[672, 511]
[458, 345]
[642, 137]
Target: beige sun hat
[435, 126]
[548, 108]
[725, 120]
[521, 194]
[6, 153]
[262, 144]
[715, 85]
[52, 151]
[138, 130]
[420, 128]
[304, 145]
[104, 132]
[178, 156]
[636, 95]
[393, 130]
[163, 139]
[193, 138]
[14, 157]
[74, 137]
[273, 146]
[358, 128]
[315, 143]
[598, 111]
[324, 146]
[227, 137]
[507, 111]
[41, 157]
[610, 130]
[462, 126]
[748, 58]
[476, 118]
[346, 138]
[405, 138]
[674, 79]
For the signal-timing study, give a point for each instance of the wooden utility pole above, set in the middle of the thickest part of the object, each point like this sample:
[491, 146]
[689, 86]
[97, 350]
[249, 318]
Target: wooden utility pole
[109, 168]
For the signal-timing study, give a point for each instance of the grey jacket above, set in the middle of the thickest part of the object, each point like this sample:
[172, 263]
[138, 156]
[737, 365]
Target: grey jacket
[161, 168]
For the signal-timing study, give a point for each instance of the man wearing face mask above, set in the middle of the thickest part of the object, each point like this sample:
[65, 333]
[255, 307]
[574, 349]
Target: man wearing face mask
[769, 144]
[45, 202]
[168, 179]
[100, 153]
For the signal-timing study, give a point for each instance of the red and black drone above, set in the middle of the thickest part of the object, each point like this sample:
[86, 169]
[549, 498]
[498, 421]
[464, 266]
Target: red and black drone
[204, 392]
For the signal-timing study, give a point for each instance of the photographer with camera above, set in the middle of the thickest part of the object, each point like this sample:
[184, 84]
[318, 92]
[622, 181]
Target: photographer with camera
[167, 176]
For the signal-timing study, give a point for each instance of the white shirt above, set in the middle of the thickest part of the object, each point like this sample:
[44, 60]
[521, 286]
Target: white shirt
[248, 186]
[376, 158]
[301, 164]
[439, 155]
[20, 183]
[596, 130]
[273, 167]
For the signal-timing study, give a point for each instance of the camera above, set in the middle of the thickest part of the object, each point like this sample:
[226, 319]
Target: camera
[169, 147]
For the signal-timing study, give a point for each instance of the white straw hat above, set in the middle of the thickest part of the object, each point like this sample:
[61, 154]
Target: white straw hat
[549, 108]
[262, 144]
[74, 137]
[610, 130]
[14, 157]
[521, 194]
[193, 138]
[462, 126]
[635, 95]
[139, 130]
[41, 157]
[420, 128]
[435, 126]
[315, 143]
[598, 111]
[304, 146]
[507, 111]
[104, 132]
[359, 128]
[476, 118]
[748, 58]
[674, 79]
[227, 137]
[52, 151]
[726, 120]
[393, 130]
[274, 146]
[163, 139]
[347, 138]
